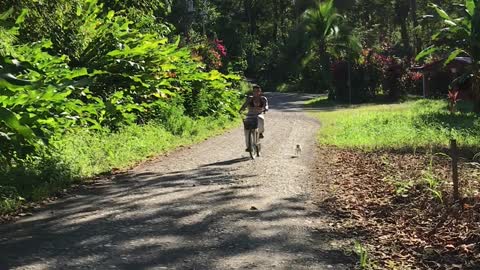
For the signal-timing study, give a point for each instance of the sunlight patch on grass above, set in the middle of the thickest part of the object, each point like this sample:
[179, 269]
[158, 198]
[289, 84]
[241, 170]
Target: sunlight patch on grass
[424, 123]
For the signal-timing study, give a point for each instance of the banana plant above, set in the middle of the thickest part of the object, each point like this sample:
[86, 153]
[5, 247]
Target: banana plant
[459, 36]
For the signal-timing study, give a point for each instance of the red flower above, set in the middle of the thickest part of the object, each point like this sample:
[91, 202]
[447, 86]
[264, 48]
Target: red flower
[453, 99]
[220, 47]
[416, 76]
[453, 95]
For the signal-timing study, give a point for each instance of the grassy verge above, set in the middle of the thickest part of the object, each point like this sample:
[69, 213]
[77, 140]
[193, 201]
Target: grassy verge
[400, 202]
[411, 125]
[82, 154]
[93, 153]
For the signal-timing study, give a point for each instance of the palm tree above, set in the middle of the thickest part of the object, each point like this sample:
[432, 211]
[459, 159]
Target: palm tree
[327, 36]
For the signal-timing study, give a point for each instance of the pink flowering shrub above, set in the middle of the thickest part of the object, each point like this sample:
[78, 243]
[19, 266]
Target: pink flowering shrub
[211, 53]
[220, 47]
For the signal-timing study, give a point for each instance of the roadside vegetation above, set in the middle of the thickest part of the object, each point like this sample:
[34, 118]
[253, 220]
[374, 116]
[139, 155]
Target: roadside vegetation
[97, 87]
[91, 86]
[411, 125]
[390, 180]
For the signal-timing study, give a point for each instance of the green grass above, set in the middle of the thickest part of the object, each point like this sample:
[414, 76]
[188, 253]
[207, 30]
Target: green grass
[93, 153]
[321, 102]
[409, 125]
[82, 154]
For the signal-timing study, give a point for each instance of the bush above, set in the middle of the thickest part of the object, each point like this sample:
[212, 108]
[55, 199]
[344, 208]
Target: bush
[9, 199]
[103, 75]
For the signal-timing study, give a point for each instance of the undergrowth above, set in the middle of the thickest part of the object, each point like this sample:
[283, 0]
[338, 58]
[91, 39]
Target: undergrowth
[82, 154]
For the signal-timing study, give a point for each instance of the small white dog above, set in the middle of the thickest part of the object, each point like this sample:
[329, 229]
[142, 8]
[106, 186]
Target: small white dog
[298, 150]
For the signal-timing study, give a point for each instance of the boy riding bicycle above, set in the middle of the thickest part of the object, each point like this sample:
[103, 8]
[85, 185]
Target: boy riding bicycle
[257, 104]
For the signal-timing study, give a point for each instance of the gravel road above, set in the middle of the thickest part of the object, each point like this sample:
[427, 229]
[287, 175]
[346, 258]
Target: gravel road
[202, 207]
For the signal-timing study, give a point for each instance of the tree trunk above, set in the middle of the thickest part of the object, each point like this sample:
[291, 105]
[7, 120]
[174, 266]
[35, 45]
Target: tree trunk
[283, 19]
[401, 9]
[349, 81]
[325, 69]
[252, 16]
[475, 88]
[417, 40]
[275, 19]
[405, 37]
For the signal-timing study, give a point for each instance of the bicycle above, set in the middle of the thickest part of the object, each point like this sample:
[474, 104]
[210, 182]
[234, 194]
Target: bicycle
[253, 139]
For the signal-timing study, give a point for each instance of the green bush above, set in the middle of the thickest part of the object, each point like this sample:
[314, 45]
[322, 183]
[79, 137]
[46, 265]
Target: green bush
[9, 199]
[108, 79]
[95, 87]
[83, 153]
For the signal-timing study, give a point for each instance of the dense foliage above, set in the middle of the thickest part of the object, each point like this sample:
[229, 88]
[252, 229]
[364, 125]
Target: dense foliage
[103, 65]
[315, 46]
[460, 36]
[98, 66]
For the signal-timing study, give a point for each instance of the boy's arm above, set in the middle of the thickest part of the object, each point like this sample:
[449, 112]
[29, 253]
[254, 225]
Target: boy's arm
[266, 104]
[244, 105]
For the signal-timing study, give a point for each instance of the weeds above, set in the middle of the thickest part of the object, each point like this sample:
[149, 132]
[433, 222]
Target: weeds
[402, 187]
[9, 199]
[433, 183]
[364, 260]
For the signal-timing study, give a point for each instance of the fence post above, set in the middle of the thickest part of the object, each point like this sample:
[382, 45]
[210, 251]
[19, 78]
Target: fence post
[454, 155]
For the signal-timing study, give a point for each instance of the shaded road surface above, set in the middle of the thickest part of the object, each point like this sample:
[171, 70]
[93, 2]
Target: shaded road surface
[204, 207]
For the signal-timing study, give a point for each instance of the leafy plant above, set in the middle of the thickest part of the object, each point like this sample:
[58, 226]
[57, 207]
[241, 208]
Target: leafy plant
[9, 199]
[101, 72]
[402, 187]
[460, 36]
[327, 36]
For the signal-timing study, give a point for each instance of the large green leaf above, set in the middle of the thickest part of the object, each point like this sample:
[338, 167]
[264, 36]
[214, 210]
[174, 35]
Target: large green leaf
[450, 23]
[453, 55]
[426, 52]
[11, 120]
[77, 73]
[21, 18]
[470, 5]
[442, 13]
[5, 15]
[11, 83]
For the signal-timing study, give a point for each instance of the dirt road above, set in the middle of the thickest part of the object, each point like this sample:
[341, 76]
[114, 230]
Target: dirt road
[204, 207]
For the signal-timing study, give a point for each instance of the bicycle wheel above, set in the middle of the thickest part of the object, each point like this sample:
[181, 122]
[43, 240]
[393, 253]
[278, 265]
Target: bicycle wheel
[252, 146]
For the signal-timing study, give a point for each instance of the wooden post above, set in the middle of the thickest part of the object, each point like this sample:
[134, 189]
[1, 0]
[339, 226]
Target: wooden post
[349, 82]
[425, 84]
[454, 155]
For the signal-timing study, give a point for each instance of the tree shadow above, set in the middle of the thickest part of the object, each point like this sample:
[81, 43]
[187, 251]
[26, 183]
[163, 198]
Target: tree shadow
[227, 162]
[193, 219]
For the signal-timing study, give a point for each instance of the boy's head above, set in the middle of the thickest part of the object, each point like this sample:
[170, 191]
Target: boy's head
[257, 91]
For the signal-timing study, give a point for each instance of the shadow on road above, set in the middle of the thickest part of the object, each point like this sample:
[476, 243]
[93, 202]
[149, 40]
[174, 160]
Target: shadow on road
[295, 102]
[228, 162]
[149, 220]
[204, 217]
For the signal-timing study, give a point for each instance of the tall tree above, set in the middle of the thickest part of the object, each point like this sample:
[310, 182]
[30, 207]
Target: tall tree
[402, 9]
[323, 26]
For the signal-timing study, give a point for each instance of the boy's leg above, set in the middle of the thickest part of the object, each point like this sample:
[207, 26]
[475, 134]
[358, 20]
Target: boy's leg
[261, 125]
